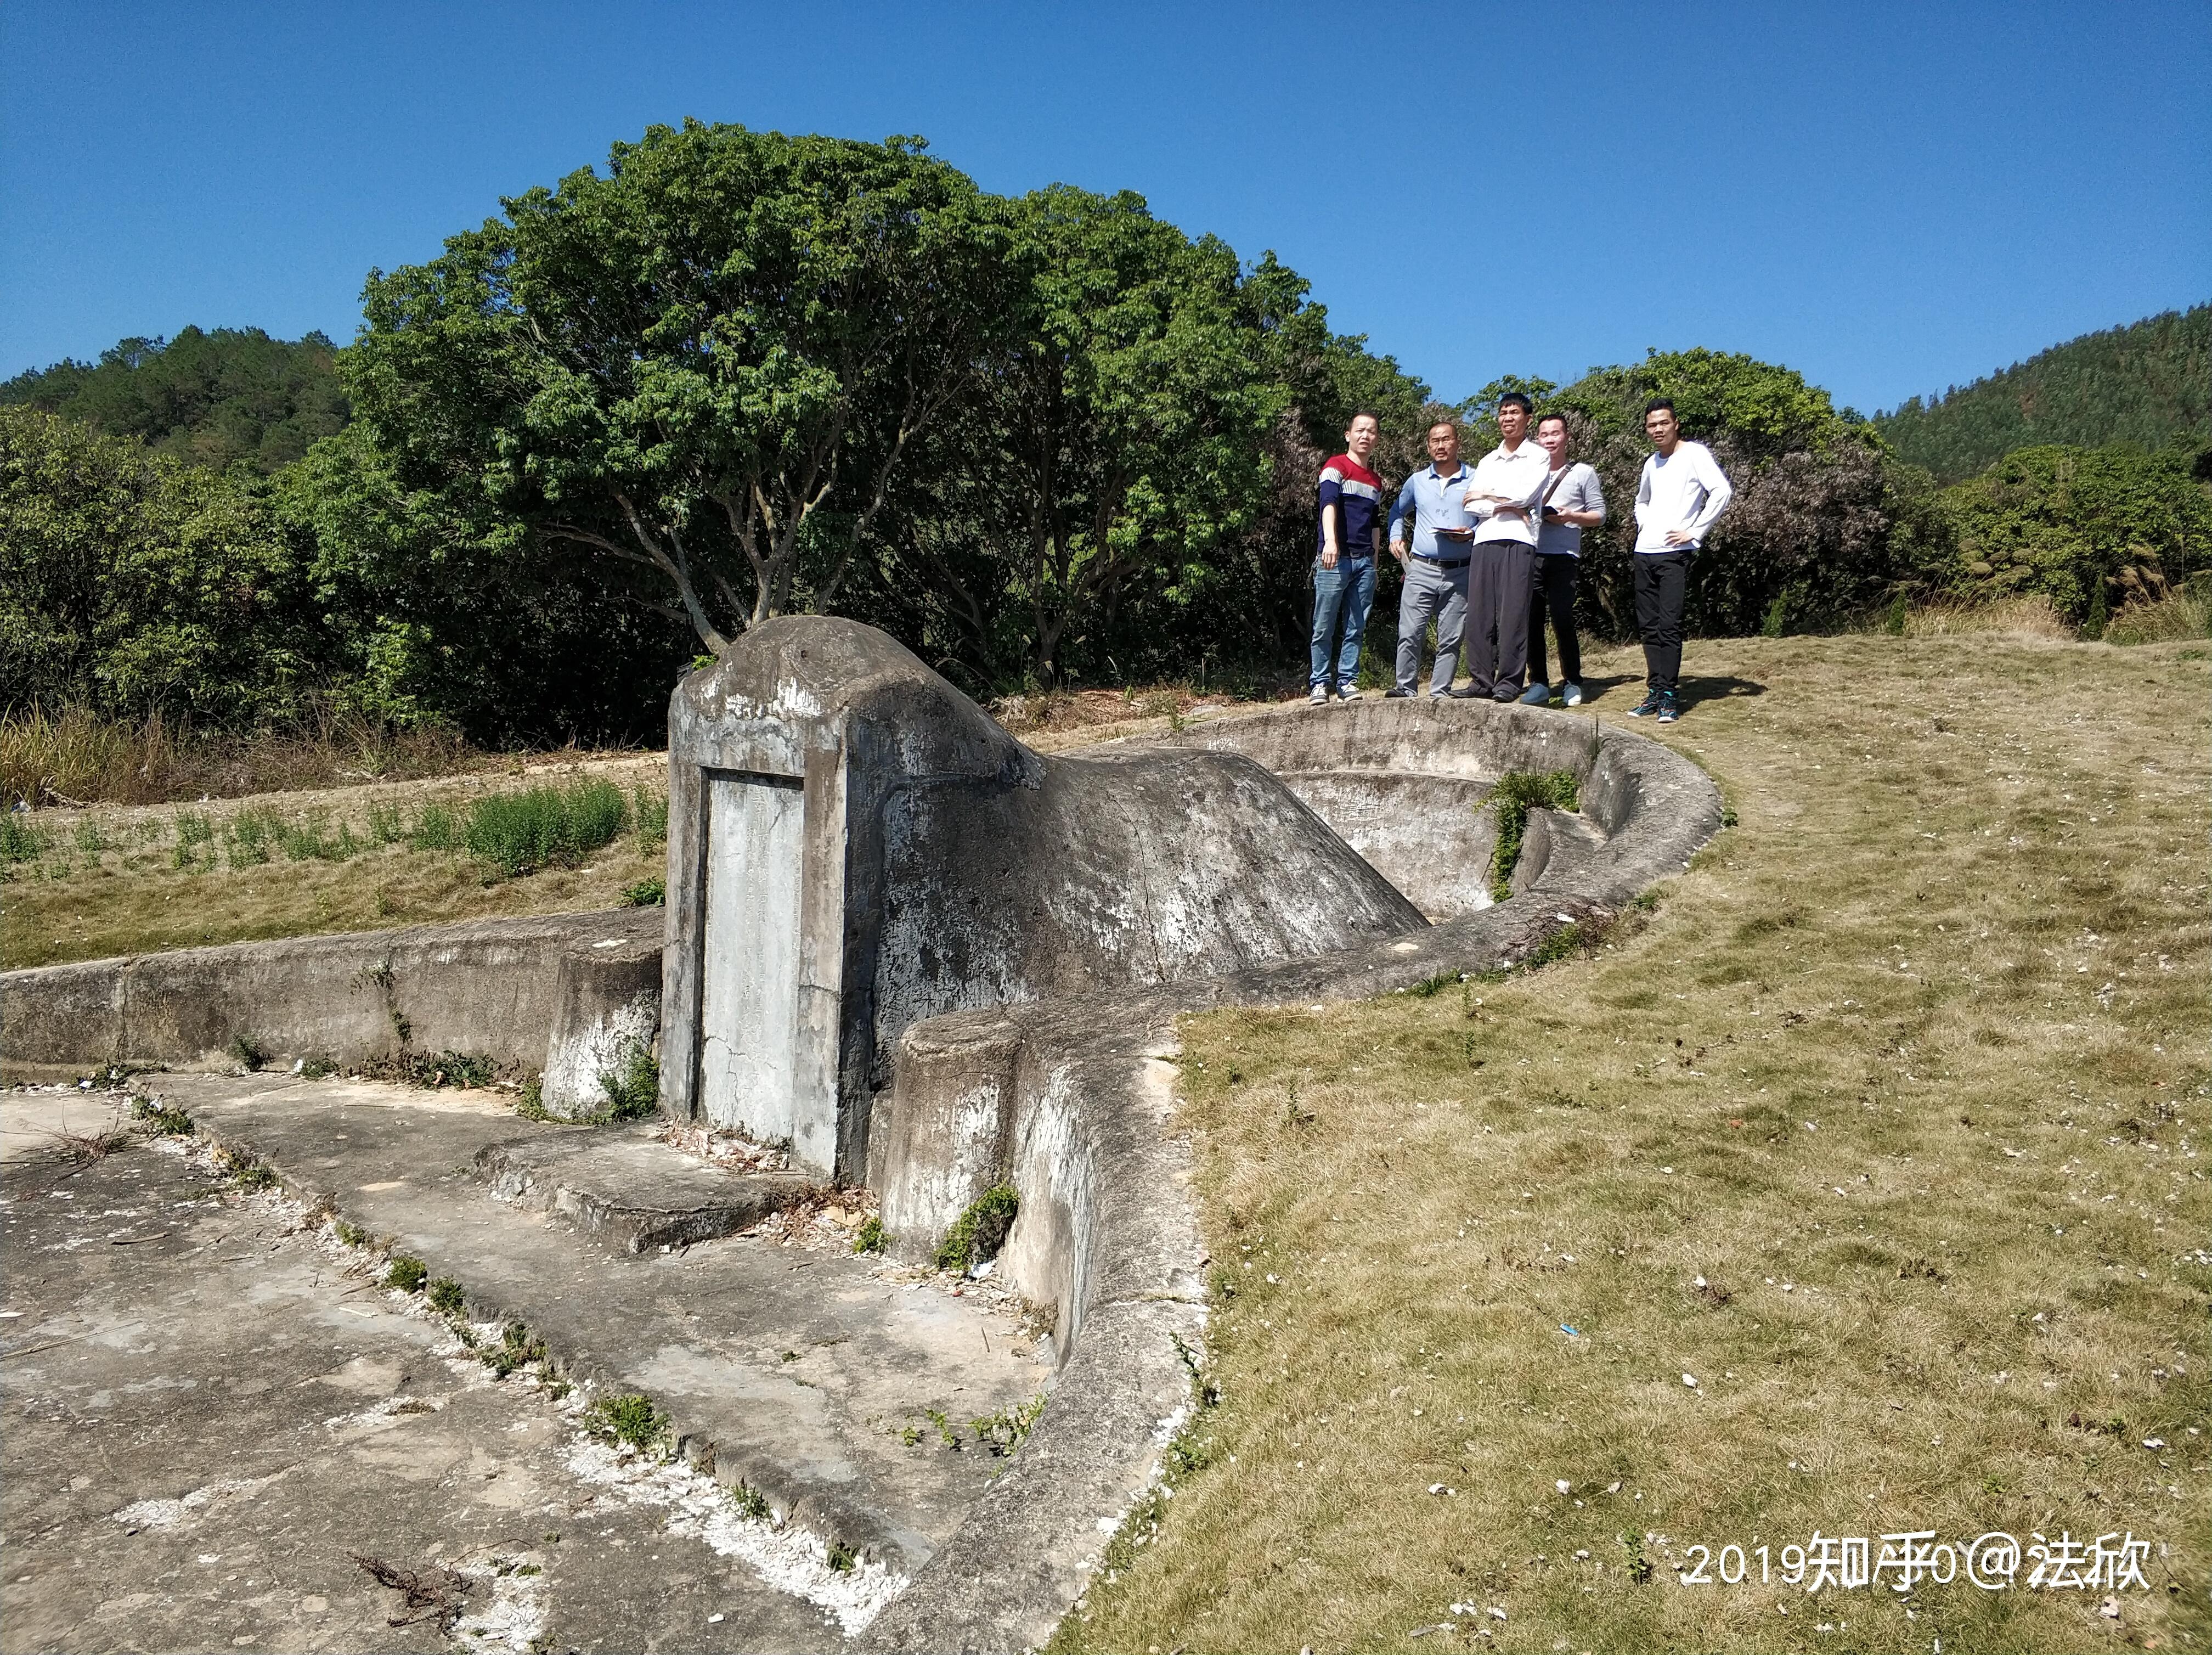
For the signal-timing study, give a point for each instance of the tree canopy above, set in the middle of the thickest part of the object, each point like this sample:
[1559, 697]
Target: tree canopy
[2147, 385]
[219, 398]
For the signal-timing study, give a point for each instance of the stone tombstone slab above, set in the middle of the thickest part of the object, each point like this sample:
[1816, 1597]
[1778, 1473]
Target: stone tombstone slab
[853, 846]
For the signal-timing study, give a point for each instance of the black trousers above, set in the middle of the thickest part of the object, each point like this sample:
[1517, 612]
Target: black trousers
[1662, 577]
[1498, 581]
[1554, 591]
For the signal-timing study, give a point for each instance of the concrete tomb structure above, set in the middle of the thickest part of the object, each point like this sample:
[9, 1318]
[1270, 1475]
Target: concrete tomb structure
[916, 954]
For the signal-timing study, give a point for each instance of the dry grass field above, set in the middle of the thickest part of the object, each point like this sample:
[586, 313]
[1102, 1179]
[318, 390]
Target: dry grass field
[1857, 1188]
[120, 880]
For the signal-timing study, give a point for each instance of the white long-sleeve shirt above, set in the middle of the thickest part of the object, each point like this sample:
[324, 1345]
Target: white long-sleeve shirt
[1685, 490]
[1520, 476]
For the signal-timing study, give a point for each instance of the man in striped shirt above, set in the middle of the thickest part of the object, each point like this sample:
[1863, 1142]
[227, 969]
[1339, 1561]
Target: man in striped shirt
[1351, 537]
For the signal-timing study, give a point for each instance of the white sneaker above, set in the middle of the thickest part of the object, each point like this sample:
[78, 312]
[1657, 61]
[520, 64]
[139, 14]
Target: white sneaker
[1348, 692]
[1572, 694]
[1319, 696]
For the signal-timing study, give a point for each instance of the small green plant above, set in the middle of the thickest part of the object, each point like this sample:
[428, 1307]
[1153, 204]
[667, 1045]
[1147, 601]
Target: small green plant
[434, 1070]
[1893, 624]
[350, 1233]
[871, 1237]
[519, 833]
[945, 1434]
[194, 830]
[646, 893]
[841, 1557]
[435, 829]
[517, 1348]
[532, 1104]
[407, 1272]
[445, 1296]
[163, 1120]
[254, 1175]
[631, 1420]
[1517, 793]
[1293, 1115]
[633, 1090]
[1428, 987]
[749, 1503]
[385, 826]
[977, 1234]
[250, 833]
[248, 1052]
[90, 839]
[652, 815]
[1002, 1431]
[911, 1436]
[1640, 1564]
[20, 841]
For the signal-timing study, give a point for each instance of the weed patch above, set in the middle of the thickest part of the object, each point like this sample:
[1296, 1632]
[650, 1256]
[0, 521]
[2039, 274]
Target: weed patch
[434, 1070]
[646, 893]
[871, 1237]
[160, 1119]
[445, 1296]
[633, 1090]
[1517, 793]
[977, 1234]
[406, 1273]
[519, 833]
[629, 1421]
[1002, 1432]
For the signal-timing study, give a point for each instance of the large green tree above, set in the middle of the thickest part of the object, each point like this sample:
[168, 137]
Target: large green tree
[705, 365]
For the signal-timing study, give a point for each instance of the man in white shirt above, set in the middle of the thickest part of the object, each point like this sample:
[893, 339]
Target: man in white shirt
[1680, 494]
[1573, 501]
[1505, 498]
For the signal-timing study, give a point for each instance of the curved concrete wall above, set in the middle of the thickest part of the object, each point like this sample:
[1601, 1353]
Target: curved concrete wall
[1072, 1102]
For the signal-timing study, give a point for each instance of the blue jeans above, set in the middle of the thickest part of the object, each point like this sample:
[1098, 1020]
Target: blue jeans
[1346, 590]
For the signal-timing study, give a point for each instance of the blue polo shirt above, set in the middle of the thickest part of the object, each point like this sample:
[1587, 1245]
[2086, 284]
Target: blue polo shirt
[1435, 502]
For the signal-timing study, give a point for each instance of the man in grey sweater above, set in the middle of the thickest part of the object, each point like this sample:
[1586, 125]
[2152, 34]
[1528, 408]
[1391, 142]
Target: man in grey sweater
[1572, 502]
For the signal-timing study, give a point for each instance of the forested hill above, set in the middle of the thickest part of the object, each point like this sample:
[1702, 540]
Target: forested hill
[2147, 385]
[211, 399]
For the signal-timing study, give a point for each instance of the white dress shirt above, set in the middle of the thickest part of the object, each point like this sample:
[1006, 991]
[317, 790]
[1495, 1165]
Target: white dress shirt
[1686, 490]
[1520, 476]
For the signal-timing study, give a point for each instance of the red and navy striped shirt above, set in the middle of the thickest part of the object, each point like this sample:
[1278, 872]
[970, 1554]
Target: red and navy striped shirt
[1350, 489]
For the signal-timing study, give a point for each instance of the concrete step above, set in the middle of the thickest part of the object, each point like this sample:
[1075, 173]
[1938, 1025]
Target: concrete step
[816, 1377]
[629, 1190]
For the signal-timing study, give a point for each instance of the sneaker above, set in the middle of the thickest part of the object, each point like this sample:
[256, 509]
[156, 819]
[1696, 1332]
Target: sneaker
[1395, 694]
[1669, 710]
[1319, 696]
[1572, 694]
[1646, 707]
[1538, 694]
[1348, 692]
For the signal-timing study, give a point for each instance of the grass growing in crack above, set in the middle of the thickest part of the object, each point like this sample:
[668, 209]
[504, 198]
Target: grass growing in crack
[1002, 1432]
[434, 1070]
[531, 1106]
[977, 1234]
[633, 1088]
[446, 1296]
[247, 1172]
[1428, 987]
[871, 1237]
[749, 1503]
[406, 1272]
[248, 1052]
[842, 1558]
[161, 1119]
[629, 1421]
[351, 1234]
[1920, 807]
[1517, 793]
[518, 1348]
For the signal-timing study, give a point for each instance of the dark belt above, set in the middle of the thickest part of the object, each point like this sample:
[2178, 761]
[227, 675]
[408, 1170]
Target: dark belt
[1446, 563]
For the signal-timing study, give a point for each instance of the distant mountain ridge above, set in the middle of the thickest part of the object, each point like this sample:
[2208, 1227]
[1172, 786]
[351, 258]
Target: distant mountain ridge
[2145, 385]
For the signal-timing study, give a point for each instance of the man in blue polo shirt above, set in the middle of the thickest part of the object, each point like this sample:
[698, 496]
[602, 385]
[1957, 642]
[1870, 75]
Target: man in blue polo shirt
[1436, 572]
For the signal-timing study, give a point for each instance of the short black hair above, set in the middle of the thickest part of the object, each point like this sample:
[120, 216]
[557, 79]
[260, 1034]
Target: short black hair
[1656, 404]
[1445, 420]
[1546, 419]
[1515, 396]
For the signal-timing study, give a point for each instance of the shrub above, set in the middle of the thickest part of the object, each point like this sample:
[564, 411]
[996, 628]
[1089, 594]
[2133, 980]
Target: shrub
[646, 893]
[1517, 793]
[406, 1273]
[871, 1237]
[434, 830]
[633, 1090]
[977, 1234]
[445, 1296]
[521, 832]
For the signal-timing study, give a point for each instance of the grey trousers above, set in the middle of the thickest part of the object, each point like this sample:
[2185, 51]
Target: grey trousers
[1499, 582]
[1433, 593]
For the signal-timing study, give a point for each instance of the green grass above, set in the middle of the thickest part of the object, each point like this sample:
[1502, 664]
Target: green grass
[630, 1420]
[632, 1089]
[1517, 793]
[977, 1234]
[519, 833]
[1885, 1121]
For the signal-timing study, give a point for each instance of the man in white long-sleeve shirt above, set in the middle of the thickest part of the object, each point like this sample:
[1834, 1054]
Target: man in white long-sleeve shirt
[1506, 498]
[1680, 494]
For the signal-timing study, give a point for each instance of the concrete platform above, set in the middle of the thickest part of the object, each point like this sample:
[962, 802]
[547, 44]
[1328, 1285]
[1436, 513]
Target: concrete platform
[814, 1377]
[629, 1190]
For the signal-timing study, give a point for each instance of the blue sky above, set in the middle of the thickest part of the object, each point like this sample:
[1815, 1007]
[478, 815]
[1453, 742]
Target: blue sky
[1890, 199]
